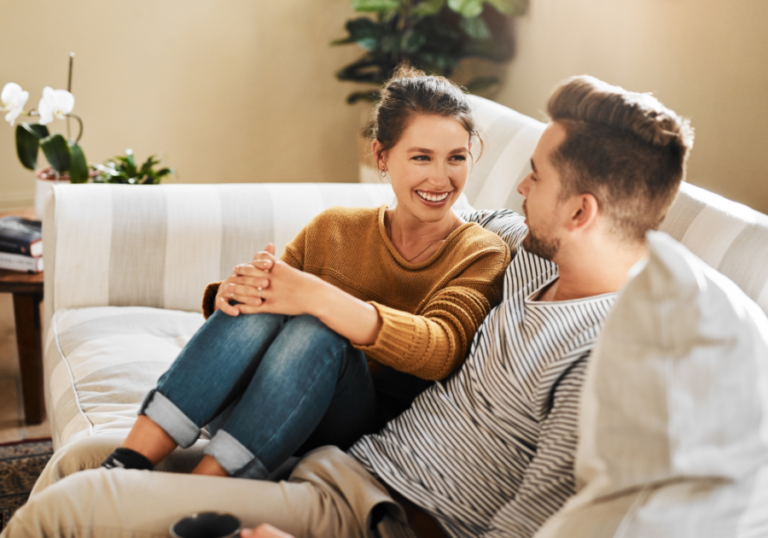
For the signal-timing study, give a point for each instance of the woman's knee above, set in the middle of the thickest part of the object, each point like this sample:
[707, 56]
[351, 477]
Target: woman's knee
[307, 338]
[245, 326]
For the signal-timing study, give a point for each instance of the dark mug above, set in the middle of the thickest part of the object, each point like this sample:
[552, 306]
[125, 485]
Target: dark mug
[206, 525]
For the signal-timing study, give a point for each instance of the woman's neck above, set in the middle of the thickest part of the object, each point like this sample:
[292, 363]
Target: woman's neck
[417, 240]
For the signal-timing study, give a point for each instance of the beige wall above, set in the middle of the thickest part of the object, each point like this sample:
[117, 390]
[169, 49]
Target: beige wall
[706, 59]
[240, 90]
[229, 90]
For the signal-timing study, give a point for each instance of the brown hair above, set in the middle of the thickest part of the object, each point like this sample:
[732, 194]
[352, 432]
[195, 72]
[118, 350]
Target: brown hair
[409, 93]
[625, 148]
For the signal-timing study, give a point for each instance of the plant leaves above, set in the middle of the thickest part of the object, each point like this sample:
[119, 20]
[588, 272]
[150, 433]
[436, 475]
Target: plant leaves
[40, 131]
[78, 167]
[412, 41]
[27, 145]
[476, 28]
[428, 8]
[479, 84]
[370, 97]
[375, 6]
[510, 7]
[467, 8]
[57, 152]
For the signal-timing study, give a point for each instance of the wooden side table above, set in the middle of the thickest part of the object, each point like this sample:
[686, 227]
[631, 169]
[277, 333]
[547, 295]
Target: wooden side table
[27, 290]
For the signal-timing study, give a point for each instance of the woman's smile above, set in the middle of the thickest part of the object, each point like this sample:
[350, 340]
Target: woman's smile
[434, 199]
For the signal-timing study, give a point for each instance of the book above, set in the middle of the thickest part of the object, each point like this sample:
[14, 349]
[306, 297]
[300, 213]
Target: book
[19, 262]
[21, 236]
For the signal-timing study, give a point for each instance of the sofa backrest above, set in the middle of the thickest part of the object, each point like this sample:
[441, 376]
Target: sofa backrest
[160, 245]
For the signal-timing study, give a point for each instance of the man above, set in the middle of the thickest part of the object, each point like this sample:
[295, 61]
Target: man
[488, 451]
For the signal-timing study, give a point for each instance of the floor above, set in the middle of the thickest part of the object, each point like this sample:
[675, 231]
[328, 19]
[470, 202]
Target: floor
[12, 427]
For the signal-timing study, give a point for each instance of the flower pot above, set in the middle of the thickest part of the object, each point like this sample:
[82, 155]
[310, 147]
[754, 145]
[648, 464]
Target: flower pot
[45, 179]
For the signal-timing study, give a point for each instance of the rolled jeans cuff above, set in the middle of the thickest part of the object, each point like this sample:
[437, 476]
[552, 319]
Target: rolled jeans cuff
[236, 459]
[170, 418]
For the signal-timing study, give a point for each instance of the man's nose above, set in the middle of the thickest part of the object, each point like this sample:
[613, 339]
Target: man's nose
[522, 187]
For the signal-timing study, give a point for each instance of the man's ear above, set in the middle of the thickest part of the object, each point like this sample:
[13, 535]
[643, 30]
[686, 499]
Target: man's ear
[584, 211]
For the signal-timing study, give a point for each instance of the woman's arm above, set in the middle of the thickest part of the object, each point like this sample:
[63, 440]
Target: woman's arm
[429, 345]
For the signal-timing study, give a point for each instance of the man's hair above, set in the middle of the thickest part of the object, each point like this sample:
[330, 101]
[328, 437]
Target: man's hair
[625, 148]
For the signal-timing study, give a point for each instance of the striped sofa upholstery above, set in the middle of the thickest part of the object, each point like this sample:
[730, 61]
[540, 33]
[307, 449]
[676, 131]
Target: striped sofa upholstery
[126, 265]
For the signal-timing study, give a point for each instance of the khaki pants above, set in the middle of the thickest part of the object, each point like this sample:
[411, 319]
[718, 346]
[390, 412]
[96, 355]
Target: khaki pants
[328, 494]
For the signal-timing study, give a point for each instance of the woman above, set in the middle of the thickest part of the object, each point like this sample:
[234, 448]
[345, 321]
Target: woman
[280, 365]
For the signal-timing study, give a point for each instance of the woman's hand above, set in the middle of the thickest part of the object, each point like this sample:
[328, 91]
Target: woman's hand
[284, 289]
[267, 285]
[245, 289]
[264, 531]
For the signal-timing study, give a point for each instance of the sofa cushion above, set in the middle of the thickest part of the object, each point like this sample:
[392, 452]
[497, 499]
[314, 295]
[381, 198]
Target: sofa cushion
[674, 411]
[101, 361]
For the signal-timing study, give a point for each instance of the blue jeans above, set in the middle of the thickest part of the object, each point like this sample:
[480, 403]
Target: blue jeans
[275, 385]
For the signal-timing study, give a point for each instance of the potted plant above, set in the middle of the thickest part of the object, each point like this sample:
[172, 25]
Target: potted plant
[122, 169]
[65, 156]
[433, 35]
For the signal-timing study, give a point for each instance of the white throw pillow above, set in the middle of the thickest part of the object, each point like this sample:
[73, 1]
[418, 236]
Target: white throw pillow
[674, 413]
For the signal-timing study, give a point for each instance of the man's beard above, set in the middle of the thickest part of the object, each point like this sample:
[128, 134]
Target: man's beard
[543, 248]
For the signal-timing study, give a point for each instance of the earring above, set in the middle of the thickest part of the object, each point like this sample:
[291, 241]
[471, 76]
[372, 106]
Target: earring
[383, 174]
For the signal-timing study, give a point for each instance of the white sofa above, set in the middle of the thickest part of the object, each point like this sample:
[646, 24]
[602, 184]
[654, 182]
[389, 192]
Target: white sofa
[126, 265]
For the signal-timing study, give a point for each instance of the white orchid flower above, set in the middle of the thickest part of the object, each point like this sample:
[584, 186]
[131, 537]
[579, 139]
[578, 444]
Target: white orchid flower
[55, 104]
[12, 100]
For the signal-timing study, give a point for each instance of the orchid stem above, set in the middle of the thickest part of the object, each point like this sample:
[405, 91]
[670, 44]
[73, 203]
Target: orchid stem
[79, 121]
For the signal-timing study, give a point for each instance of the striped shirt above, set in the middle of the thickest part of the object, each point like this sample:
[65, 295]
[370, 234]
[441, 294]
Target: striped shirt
[489, 451]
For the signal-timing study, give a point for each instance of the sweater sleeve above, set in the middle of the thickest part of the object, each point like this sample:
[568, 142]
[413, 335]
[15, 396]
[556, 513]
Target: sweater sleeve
[293, 256]
[434, 343]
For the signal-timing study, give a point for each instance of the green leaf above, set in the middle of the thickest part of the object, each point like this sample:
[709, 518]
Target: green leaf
[40, 131]
[78, 168]
[375, 6]
[27, 145]
[476, 28]
[479, 84]
[130, 163]
[146, 168]
[428, 7]
[412, 41]
[467, 8]
[370, 97]
[57, 152]
[510, 7]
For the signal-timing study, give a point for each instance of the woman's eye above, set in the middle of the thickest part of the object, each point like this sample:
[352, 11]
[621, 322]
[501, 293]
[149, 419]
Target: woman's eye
[459, 158]
[421, 158]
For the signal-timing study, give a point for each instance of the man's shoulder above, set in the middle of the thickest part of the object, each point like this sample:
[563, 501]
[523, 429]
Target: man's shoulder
[507, 224]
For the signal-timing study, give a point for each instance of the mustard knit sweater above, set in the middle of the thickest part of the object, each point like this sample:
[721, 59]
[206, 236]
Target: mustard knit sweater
[430, 310]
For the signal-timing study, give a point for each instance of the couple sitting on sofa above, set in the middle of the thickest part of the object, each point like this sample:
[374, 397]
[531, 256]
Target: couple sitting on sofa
[366, 305]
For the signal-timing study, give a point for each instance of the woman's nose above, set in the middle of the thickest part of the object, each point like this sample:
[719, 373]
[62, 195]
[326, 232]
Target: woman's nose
[441, 177]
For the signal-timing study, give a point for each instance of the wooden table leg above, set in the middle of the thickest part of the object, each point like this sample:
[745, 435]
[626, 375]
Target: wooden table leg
[26, 309]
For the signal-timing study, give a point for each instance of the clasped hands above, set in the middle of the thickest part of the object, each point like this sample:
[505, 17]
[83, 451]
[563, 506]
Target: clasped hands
[267, 285]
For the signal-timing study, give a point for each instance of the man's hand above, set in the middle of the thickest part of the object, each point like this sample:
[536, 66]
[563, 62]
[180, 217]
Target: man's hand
[264, 531]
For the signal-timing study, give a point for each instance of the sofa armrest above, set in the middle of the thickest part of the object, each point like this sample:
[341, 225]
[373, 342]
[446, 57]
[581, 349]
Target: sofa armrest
[159, 245]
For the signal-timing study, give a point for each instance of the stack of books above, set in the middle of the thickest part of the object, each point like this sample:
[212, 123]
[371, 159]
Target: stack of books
[21, 244]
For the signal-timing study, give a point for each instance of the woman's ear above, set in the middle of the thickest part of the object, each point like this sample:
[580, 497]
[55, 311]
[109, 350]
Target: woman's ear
[378, 157]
